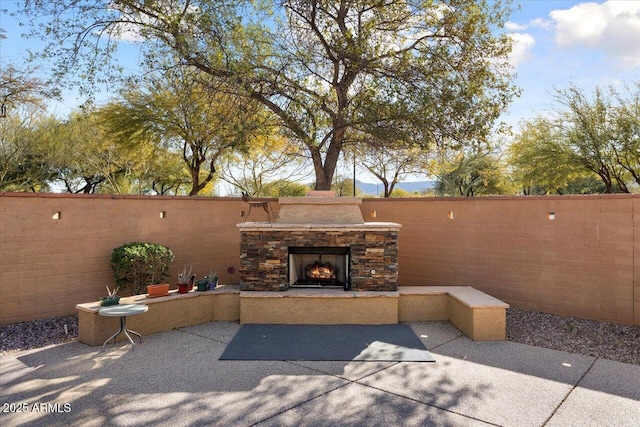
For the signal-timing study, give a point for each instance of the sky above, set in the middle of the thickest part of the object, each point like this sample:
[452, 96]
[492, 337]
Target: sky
[557, 43]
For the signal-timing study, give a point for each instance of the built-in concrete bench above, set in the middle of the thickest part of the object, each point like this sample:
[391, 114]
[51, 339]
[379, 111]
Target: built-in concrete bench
[164, 314]
[478, 315]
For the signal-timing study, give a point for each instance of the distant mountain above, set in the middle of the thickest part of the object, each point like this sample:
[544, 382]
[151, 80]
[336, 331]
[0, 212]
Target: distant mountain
[375, 189]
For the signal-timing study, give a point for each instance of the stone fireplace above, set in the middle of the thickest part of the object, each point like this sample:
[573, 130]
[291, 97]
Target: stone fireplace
[319, 241]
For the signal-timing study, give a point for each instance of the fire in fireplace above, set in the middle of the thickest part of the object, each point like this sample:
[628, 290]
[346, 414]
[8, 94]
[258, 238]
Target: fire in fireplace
[321, 271]
[319, 267]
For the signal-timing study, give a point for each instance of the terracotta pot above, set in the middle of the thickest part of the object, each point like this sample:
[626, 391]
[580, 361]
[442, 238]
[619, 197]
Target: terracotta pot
[183, 288]
[161, 290]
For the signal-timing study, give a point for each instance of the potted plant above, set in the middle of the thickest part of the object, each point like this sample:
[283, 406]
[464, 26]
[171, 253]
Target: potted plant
[185, 280]
[212, 280]
[112, 298]
[136, 265]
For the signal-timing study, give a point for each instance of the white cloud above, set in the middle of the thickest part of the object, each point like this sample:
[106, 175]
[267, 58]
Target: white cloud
[545, 24]
[612, 27]
[513, 26]
[522, 44]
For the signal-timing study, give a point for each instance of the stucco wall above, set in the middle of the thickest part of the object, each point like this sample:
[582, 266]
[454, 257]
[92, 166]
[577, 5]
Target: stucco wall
[47, 265]
[585, 262]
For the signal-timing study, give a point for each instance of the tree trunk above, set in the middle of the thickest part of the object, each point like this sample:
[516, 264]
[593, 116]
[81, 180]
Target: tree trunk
[325, 170]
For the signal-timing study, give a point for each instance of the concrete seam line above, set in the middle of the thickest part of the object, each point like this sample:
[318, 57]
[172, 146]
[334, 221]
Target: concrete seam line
[570, 391]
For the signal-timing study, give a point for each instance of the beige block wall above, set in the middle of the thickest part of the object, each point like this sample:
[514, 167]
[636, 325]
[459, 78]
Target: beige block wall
[585, 263]
[47, 266]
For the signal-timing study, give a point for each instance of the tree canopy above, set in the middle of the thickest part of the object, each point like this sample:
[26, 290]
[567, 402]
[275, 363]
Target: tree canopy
[426, 72]
[586, 135]
[179, 111]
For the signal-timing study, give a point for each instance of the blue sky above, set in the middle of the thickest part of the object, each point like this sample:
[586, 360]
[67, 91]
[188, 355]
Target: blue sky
[562, 42]
[557, 43]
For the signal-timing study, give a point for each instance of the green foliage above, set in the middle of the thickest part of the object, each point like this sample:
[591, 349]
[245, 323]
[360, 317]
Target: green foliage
[473, 172]
[24, 166]
[421, 72]
[136, 265]
[283, 188]
[343, 187]
[271, 166]
[390, 162]
[399, 192]
[183, 113]
[586, 137]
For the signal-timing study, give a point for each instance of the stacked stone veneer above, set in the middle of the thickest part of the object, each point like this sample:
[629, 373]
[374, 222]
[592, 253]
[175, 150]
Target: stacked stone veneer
[264, 253]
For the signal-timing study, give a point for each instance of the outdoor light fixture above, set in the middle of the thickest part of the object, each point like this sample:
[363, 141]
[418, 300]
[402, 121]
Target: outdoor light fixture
[552, 216]
[450, 215]
[373, 214]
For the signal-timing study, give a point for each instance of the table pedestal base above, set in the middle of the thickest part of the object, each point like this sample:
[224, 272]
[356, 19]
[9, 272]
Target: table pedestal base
[123, 330]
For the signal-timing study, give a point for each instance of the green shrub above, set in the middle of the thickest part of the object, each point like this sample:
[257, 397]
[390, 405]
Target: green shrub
[136, 265]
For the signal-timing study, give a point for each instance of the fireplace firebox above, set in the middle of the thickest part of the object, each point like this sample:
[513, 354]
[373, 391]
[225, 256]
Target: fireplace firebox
[319, 267]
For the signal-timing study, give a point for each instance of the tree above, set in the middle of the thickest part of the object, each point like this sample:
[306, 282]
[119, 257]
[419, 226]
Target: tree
[584, 137]
[472, 172]
[433, 72]
[344, 187]
[626, 142]
[587, 130]
[85, 158]
[24, 166]
[179, 113]
[269, 167]
[541, 165]
[20, 91]
[390, 163]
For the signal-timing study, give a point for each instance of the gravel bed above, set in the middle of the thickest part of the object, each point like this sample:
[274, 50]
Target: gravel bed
[37, 333]
[588, 337]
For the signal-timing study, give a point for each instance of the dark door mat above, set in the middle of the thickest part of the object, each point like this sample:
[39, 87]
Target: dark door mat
[327, 342]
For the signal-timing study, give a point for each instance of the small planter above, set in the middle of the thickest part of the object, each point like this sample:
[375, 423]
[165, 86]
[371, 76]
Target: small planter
[155, 291]
[114, 300]
[183, 288]
[203, 285]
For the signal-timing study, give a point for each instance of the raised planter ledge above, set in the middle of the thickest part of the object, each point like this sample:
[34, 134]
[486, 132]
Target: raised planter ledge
[164, 314]
[479, 316]
[93, 307]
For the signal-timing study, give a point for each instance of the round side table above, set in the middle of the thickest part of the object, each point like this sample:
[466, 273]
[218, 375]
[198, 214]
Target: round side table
[122, 311]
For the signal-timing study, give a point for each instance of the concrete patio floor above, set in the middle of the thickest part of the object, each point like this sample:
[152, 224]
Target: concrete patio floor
[175, 379]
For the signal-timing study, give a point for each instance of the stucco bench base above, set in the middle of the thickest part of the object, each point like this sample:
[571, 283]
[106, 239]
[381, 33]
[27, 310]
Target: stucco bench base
[164, 314]
[319, 307]
[479, 316]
